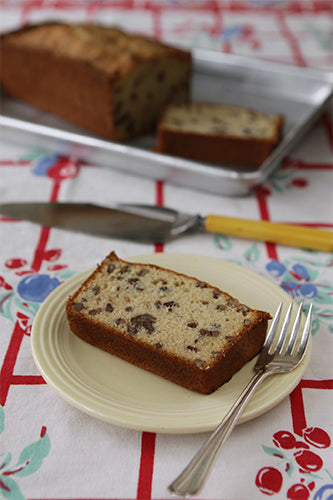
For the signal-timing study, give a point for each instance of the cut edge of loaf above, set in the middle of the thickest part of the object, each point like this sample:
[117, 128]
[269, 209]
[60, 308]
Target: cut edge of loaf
[89, 95]
[201, 379]
[217, 147]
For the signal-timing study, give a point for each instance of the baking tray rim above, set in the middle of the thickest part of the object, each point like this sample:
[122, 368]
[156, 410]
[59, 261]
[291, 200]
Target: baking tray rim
[248, 178]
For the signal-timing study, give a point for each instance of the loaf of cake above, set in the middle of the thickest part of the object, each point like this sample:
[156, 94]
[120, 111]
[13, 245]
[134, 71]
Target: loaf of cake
[175, 326]
[218, 133]
[110, 82]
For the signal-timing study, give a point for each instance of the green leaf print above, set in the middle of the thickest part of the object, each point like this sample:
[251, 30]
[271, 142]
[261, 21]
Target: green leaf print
[252, 254]
[290, 468]
[315, 326]
[323, 296]
[5, 304]
[2, 419]
[222, 241]
[274, 452]
[9, 489]
[32, 456]
[30, 460]
[66, 275]
[31, 307]
[6, 461]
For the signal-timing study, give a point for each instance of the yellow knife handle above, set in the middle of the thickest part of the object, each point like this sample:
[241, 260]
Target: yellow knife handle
[285, 234]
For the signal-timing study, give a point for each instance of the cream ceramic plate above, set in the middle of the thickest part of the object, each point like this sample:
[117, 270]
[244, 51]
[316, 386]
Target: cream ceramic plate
[112, 390]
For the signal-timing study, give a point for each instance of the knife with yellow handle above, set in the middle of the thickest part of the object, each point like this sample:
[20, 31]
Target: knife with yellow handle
[284, 234]
[155, 224]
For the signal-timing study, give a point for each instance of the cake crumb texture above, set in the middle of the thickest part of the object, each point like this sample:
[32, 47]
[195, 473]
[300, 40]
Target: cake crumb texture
[218, 133]
[173, 325]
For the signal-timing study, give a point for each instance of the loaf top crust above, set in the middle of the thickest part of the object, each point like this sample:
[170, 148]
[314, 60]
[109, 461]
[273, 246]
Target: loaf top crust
[108, 49]
[179, 315]
[220, 119]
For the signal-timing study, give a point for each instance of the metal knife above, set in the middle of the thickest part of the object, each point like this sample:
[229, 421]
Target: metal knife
[155, 224]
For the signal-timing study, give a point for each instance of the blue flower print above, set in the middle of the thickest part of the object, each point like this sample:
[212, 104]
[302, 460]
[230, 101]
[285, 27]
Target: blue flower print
[36, 287]
[276, 268]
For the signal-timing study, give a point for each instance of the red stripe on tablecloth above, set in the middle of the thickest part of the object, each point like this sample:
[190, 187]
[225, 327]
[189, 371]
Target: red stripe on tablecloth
[159, 196]
[146, 466]
[290, 39]
[156, 19]
[302, 165]
[40, 249]
[317, 384]
[44, 234]
[3, 218]
[7, 369]
[264, 214]
[226, 46]
[297, 410]
[12, 163]
[6, 373]
[297, 403]
[159, 200]
[315, 7]
[27, 380]
[148, 439]
[55, 190]
[310, 224]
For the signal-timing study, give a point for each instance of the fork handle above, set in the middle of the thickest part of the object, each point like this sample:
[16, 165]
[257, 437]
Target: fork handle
[190, 481]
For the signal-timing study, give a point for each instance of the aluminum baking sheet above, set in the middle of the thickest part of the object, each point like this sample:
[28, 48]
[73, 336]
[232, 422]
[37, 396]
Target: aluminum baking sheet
[299, 94]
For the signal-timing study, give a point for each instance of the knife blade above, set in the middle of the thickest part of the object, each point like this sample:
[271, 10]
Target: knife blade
[155, 224]
[92, 219]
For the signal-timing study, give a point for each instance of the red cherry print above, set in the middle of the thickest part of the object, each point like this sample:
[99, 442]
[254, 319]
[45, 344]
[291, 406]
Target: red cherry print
[64, 168]
[284, 439]
[298, 492]
[308, 461]
[317, 437]
[300, 444]
[56, 267]
[269, 480]
[311, 485]
[15, 263]
[5, 284]
[24, 322]
[52, 255]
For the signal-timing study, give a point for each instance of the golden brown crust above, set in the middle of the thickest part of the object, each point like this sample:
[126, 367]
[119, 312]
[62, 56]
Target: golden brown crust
[204, 379]
[75, 72]
[108, 49]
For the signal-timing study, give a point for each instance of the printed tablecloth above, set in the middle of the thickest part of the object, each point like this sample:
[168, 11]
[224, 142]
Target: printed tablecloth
[51, 450]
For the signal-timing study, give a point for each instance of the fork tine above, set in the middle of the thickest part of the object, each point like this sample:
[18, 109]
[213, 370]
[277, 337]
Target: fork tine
[306, 333]
[293, 336]
[283, 334]
[273, 328]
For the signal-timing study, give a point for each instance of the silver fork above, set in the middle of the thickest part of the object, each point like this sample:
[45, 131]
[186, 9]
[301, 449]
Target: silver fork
[279, 355]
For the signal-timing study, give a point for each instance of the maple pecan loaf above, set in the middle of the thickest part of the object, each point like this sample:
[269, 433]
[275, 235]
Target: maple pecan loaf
[218, 133]
[100, 78]
[170, 324]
